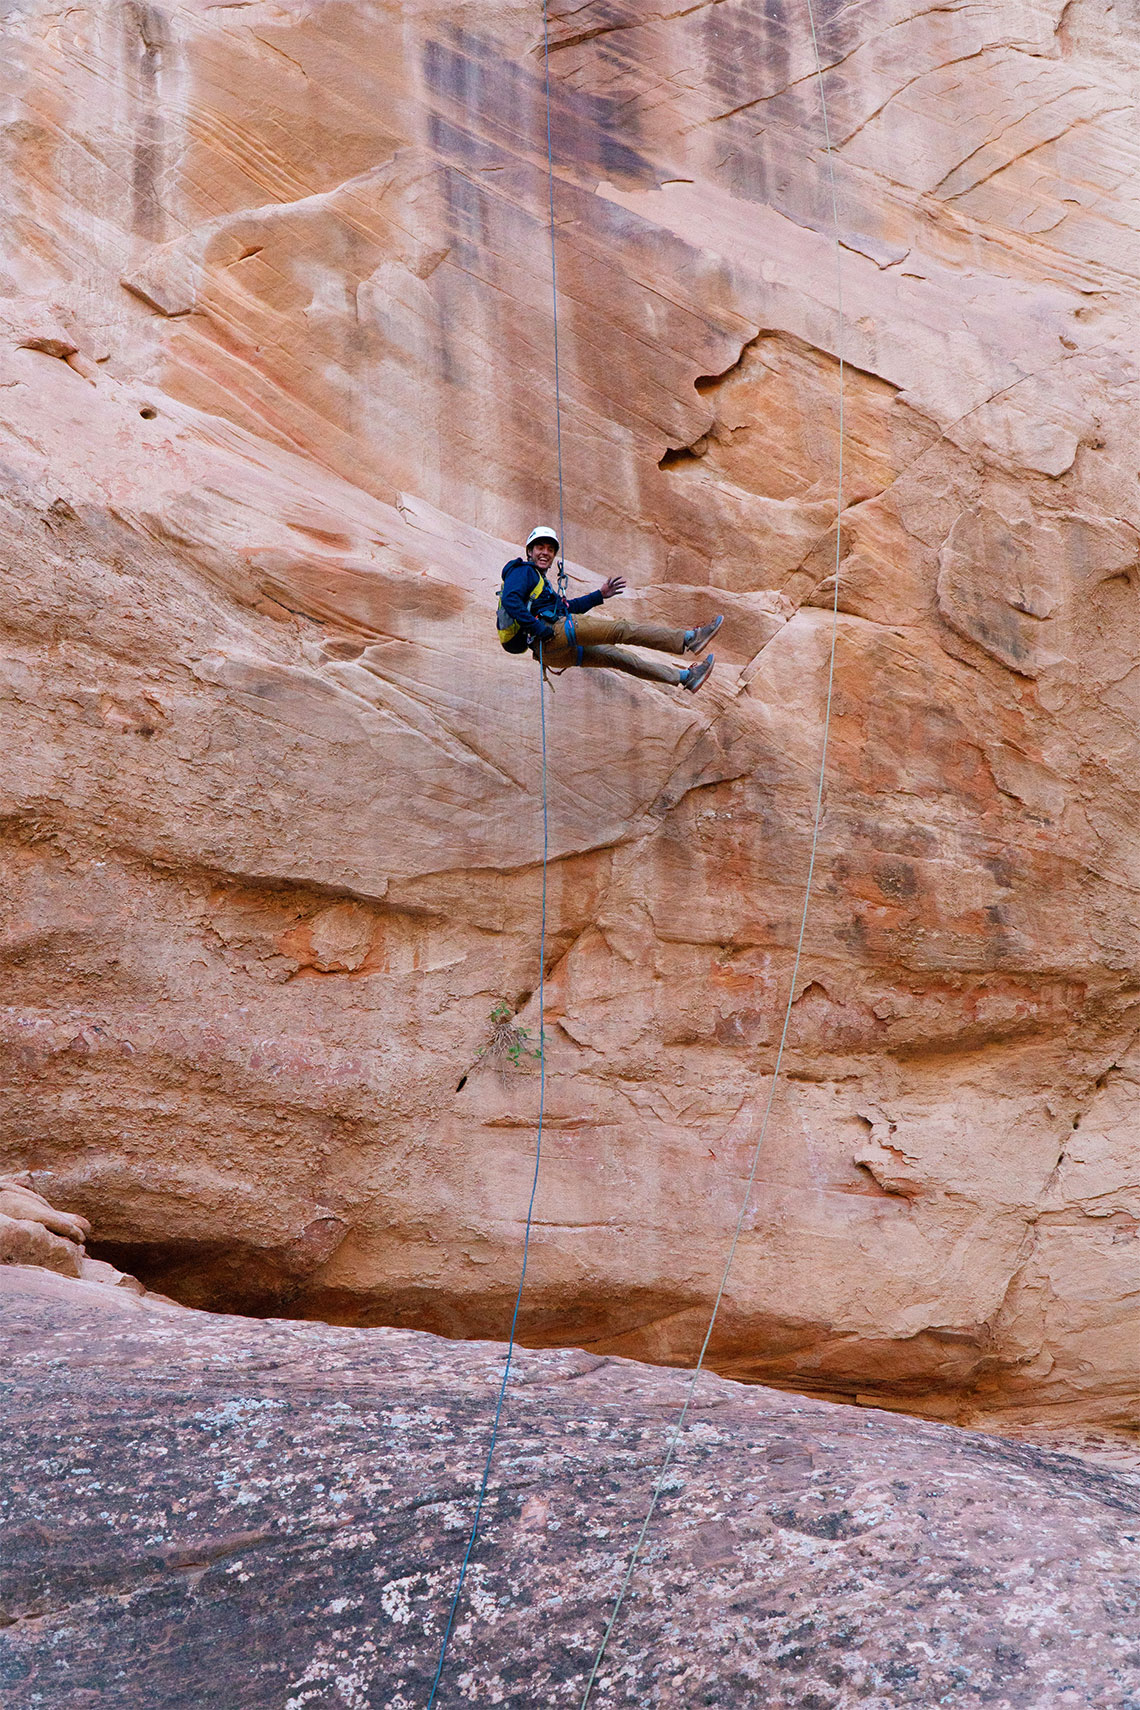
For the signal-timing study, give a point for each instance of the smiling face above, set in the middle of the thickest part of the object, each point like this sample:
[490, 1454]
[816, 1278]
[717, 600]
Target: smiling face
[542, 554]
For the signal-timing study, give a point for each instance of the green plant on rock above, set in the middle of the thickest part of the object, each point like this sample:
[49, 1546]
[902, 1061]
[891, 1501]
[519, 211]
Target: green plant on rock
[507, 1043]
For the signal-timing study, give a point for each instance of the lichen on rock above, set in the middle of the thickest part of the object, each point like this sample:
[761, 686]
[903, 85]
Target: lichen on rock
[302, 1493]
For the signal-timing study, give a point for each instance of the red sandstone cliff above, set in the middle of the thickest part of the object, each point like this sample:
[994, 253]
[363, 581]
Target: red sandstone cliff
[275, 401]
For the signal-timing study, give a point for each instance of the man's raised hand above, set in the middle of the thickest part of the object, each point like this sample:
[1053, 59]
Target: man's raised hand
[613, 585]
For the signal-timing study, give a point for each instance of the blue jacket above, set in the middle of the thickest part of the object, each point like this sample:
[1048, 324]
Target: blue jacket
[532, 603]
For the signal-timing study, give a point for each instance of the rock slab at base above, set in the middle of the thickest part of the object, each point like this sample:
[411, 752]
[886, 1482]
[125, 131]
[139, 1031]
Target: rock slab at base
[206, 1510]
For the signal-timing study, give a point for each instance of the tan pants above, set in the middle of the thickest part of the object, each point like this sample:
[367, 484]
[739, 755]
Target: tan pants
[595, 635]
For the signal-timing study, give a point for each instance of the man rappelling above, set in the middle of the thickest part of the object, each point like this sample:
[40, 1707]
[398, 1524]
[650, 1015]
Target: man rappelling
[535, 618]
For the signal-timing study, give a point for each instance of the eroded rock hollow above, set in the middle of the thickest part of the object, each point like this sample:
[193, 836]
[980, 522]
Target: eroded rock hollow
[276, 402]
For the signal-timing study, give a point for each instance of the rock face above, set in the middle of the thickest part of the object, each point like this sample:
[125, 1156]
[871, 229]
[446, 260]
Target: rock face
[276, 370]
[33, 1233]
[36, 1234]
[281, 1509]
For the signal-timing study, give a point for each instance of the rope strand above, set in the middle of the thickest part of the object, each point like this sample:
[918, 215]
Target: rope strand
[679, 1425]
[554, 297]
[483, 1483]
[529, 1218]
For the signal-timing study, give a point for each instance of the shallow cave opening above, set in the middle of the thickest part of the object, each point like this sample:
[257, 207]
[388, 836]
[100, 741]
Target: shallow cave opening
[215, 1276]
[682, 454]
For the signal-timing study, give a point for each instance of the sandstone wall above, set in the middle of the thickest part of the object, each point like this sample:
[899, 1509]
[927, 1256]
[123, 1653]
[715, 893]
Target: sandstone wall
[276, 384]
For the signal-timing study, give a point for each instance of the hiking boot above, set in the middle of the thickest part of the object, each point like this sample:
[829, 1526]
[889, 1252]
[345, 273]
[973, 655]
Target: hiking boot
[696, 640]
[696, 674]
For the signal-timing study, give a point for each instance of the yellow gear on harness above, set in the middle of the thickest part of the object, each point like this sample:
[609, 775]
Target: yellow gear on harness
[511, 634]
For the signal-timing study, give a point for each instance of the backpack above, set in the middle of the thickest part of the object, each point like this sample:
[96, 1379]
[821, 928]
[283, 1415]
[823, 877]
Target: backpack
[512, 636]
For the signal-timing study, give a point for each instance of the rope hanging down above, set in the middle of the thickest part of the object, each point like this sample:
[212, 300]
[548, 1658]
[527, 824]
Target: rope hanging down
[482, 1496]
[746, 1200]
[554, 298]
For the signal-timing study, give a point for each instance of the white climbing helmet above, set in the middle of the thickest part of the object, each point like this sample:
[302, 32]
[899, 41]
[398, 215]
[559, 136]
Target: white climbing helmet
[542, 533]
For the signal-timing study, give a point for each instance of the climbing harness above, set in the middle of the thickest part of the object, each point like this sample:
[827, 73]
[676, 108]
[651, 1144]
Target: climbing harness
[474, 1533]
[746, 1199]
[571, 632]
[512, 635]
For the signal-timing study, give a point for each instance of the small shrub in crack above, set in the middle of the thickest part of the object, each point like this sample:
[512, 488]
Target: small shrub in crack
[507, 1043]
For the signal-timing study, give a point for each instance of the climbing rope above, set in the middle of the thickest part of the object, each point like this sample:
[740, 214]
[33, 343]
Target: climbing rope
[679, 1425]
[482, 1496]
[554, 295]
[530, 1213]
